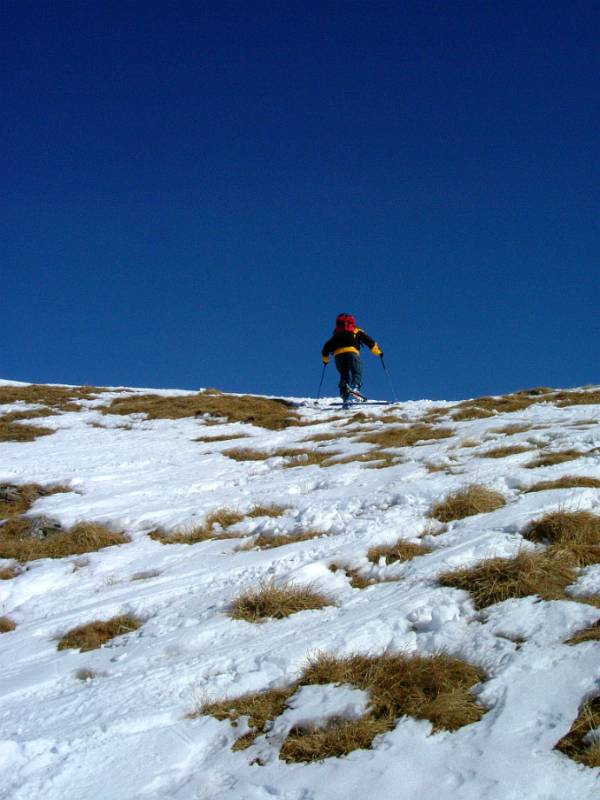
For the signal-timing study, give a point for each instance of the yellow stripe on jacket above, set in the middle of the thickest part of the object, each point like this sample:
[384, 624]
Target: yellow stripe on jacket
[341, 350]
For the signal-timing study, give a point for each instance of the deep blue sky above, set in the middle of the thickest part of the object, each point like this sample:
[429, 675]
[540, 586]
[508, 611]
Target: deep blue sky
[191, 191]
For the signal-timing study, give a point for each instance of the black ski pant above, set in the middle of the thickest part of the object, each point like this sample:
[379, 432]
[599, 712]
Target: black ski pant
[349, 366]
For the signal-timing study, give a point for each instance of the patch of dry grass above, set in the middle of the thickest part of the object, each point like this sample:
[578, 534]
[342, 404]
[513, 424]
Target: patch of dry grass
[577, 398]
[8, 573]
[471, 500]
[406, 437]
[358, 580]
[55, 397]
[401, 550]
[326, 437]
[17, 499]
[566, 482]
[577, 532]
[85, 537]
[260, 708]
[274, 414]
[34, 413]
[276, 601]
[296, 457]
[465, 414]
[266, 541]
[576, 744]
[589, 634]
[213, 527]
[223, 438]
[435, 468]
[337, 738]
[17, 432]
[272, 510]
[512, 429]
[497, 579]
[434, 414]
[504, 452]
[550, 459]
[436, 688]
[97, 633]
[504, 404]
[6, 625]
[374, 459]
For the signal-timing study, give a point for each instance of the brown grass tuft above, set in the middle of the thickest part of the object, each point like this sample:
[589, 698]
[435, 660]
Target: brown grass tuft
[259, 707]
[272, 510]
[223, 438]
[95, 634]
[474, 499]
[504, 452]
[374, 459]
[436, 688]
[359, 581]
[549, 459]
[578, 532]
[17, 499]
[274, 414]
[84, 537]
[35, 413]
[17, 432]
[8, 573]
[55, 397]
[518, 401]
[6, 625]
[326, 437]
[213, 527]
[566, 482]
[575, 744]
[401, 550]
[272, 601]
[464, 414]
[296, 457]
[589, 634]
[337, 738]
[512, 429]
[266, 541]
[406, 437]
[498, 579]
[577, 398]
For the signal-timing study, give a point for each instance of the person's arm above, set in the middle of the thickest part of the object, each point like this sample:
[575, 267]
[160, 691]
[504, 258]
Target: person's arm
[370, 343]
[327, 349]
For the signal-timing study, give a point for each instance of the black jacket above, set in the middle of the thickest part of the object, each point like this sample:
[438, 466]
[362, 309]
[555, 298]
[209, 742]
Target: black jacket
[349, 342]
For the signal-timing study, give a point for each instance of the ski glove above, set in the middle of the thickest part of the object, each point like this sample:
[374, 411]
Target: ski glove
[325, 359]
[376, 350]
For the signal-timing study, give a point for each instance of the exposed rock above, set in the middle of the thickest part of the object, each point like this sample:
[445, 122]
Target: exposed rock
[9, 493]
[43, 527]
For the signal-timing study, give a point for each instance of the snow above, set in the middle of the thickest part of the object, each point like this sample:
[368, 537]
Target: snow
[124, 733]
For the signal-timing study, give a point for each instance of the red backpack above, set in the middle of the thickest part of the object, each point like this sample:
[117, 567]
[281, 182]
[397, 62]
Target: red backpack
[345, 322]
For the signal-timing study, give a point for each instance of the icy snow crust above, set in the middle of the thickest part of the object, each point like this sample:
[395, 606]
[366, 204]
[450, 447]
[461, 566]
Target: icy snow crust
[124, 735]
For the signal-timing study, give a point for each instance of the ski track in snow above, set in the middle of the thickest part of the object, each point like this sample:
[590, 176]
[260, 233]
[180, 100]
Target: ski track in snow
[124, 733]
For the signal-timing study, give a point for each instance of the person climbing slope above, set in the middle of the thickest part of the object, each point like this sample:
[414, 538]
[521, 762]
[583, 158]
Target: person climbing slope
[345, 345]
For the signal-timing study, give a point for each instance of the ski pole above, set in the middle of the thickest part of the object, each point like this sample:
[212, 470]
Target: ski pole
[389, 379]
[321, 384]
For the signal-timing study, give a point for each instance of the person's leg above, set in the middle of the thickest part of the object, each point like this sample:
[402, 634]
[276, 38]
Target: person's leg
[343, 363]
[355, 371]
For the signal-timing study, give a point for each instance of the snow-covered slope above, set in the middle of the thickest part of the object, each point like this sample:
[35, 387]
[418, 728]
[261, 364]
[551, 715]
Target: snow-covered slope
[124, 734]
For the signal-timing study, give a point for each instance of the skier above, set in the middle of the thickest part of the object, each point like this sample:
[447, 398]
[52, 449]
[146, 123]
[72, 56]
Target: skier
[345, 345]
